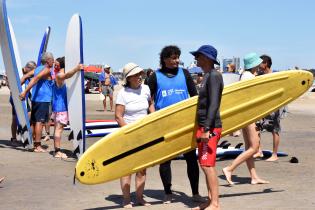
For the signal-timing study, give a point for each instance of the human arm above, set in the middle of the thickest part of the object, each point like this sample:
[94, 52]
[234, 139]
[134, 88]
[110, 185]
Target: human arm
[119, 113]
[45, 72]
[26, 76]
[63, 76]
[152, 84]
[214, 87]
[191, 87]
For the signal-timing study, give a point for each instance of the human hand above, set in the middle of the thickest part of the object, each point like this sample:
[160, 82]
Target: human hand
[22, 96]
[79, 67]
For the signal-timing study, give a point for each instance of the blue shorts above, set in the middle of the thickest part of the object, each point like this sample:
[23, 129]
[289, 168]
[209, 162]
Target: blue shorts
[40, 112]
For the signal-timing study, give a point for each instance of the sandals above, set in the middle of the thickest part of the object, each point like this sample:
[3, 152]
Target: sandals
[39, 149]
[60, 155]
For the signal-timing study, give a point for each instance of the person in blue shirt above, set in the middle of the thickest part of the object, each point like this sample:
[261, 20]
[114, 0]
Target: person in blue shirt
[41, 85]
[168, 85]
[59, 102]
[106, 86]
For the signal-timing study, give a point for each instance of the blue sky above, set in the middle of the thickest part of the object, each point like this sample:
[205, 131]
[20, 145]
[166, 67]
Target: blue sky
[120, 31]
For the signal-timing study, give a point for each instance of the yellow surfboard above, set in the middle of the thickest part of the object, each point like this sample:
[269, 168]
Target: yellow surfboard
[169, 132]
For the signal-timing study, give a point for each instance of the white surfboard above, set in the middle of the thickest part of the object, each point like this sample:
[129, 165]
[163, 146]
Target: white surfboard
[10, 63]
[99, 132]
[97, 125]
[75, 85]
[230, 78]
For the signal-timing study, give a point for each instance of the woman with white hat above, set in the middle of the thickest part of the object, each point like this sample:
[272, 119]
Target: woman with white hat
[250, 133]
[133, 102]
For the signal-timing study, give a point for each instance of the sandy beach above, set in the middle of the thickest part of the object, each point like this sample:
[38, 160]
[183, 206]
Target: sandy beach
[39, 181]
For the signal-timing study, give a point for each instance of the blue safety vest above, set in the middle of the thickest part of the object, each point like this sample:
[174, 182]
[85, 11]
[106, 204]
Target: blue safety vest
[170, 90]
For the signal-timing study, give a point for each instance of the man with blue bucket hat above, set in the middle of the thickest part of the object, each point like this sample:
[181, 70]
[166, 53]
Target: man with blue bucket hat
[209, 121]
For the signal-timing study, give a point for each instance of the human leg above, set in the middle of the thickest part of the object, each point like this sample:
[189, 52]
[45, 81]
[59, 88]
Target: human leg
[193, 171]
[207, 161]
[140, 183]
[111, 102]
[213, 186]
[38, 136]
[125, 188]
[104, 104]
[166, 177]
[276, 142]
[57, 140]
[39, 116]
[248, 153]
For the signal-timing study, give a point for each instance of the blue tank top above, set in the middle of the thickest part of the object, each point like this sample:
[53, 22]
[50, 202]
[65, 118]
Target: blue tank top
[42, 90]
[59, 102]
[170, 90]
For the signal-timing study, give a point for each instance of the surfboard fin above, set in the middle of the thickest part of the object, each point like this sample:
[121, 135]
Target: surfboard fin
[79, 136]
[89, 131]
[222, 143]
[24, 129]
[26, 142]
[76, 151]
[238, 146]
[70, 137]
[225, 146]
[19, 130]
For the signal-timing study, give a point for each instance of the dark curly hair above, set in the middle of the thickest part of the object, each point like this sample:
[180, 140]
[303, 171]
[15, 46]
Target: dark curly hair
[61, 61]
[266, 59]
[167, 52]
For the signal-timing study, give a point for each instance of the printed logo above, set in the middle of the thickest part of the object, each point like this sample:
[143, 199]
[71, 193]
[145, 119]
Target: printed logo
[164, 94]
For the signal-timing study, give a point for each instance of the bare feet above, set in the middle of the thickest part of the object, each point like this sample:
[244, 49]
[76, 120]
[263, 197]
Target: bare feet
[258, 155]
[228, 175]
[1, 179]
[259, 181]
[213, 207]
[272, 158]
[142, 202]
[201, 206]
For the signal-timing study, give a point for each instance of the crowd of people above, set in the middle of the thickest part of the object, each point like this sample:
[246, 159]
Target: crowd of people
[45, 90]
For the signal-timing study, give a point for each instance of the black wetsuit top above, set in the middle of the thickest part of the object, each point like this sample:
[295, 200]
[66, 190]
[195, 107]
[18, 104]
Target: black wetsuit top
[152, 82]
[210, 93]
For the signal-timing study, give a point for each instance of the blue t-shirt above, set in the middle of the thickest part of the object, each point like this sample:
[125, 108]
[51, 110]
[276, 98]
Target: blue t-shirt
[59, 102]
[42, 90]
[170, 90]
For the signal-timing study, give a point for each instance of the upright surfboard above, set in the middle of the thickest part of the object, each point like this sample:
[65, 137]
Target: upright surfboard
[9, 58]
[230, 78]
[169, 132]
[43, 45]
[75, 85]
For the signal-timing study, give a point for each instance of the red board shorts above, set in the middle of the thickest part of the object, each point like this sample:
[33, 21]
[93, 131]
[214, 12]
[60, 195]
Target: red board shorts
[207, 151]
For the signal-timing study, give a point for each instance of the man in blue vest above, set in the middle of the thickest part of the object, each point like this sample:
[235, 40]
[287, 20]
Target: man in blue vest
[169, 85]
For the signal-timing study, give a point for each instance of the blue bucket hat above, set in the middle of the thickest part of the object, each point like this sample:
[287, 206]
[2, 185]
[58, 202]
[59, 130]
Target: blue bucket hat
[251, 60]
[208, 51]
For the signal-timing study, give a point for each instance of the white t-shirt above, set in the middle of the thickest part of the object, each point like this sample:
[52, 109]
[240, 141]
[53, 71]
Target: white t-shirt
[136, 102]
[247, 75]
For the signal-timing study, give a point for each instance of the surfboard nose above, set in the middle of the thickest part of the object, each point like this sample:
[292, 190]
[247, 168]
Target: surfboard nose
[308, 78]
